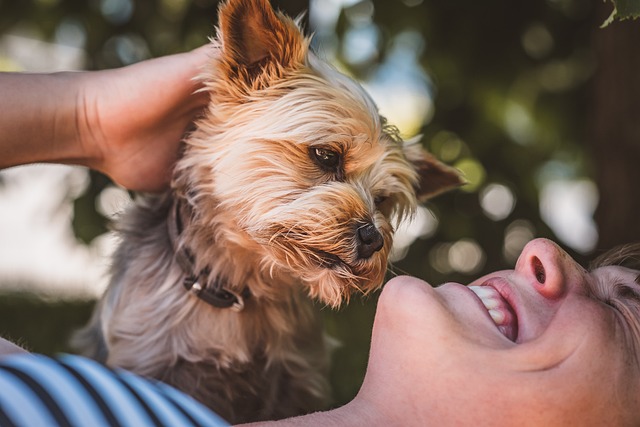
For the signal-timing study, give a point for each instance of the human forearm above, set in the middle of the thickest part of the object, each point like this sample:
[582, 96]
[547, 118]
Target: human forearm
[126, 123]
[39, 119]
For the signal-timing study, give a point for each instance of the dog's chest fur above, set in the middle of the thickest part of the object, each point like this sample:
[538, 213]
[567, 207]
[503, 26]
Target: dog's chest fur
[267, 361]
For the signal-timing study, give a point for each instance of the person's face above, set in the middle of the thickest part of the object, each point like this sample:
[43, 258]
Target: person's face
[548, 343]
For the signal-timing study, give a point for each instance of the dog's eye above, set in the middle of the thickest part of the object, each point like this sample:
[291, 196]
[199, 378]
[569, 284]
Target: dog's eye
[378, 200]
[327, 159]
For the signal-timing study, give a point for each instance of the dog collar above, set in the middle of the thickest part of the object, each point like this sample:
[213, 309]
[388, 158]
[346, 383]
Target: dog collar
[217, 294]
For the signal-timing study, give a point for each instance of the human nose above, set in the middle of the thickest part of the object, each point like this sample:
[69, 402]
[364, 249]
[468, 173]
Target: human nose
[551, 269]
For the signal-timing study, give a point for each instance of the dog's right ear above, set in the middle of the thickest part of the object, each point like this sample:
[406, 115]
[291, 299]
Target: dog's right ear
[258, 44]
[434, 176]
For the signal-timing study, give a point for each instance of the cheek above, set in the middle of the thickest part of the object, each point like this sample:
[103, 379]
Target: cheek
[579, 331]
[580, 363]
[575, 373]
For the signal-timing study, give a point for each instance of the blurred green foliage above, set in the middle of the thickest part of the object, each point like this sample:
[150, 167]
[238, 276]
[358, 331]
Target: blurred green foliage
[623, 9]
[41, 325]
[510, 83]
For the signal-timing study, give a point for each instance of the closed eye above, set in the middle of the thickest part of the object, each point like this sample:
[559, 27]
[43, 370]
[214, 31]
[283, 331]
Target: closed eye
[627, 293]
[622, 295]
[625, 300]
[378, 200]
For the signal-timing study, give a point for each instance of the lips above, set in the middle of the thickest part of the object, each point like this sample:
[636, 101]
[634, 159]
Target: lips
[501, 312]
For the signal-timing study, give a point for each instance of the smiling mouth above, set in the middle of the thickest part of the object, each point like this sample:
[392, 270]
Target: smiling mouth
[501, 312]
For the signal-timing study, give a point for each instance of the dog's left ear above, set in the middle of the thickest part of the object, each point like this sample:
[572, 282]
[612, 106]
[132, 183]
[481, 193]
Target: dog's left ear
[258, 43]
[434, 176]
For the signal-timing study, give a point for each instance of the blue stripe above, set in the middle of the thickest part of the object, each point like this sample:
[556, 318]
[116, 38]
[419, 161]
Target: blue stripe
[52, 406]
[124, 395]
[21, 404]
[119, 399]
[198, 411]
[163, 409]
[63, 388]
[104, 408]
[5, 421]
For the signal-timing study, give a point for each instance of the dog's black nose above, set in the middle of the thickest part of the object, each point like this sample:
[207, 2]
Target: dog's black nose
[370, 240]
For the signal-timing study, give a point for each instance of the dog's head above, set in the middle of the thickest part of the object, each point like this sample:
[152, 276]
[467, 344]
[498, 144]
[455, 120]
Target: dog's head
[300, 158]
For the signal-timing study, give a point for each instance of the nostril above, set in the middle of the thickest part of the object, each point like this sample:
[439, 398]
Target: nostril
[538, 270]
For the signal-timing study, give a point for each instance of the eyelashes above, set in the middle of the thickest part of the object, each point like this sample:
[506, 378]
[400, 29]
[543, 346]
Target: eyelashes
[618, 295]
[626, 293]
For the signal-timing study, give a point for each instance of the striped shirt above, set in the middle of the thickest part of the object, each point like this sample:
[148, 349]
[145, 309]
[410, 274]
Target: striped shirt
[75, 391]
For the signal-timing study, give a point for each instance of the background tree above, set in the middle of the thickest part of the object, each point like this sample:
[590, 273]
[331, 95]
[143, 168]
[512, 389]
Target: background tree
[614, 130]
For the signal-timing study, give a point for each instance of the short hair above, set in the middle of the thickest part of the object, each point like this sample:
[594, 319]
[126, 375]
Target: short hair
[624, 255]
[623, 297]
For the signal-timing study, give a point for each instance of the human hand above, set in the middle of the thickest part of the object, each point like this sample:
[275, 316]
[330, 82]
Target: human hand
[131, 120]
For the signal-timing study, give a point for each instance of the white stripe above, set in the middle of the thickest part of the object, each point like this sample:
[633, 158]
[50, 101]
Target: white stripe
[21, 404]
[199, 412]
[120, 400]
[78, 406]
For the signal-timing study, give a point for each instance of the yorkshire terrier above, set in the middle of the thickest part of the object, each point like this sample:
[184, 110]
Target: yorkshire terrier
[288, 188]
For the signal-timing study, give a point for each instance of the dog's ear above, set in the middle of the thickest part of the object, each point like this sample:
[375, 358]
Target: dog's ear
[434, 176]
[258, 44]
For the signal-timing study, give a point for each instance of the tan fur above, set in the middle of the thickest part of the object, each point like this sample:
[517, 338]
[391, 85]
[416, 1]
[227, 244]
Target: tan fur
[266, 217]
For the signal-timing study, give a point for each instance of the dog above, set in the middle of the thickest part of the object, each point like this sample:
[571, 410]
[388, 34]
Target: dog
[287, 191]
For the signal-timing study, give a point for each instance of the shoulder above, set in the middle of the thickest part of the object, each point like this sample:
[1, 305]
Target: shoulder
[73, 390]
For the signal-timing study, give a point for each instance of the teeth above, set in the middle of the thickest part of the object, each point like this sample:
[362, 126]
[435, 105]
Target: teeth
[497, 316]
[483, 291]
[499, 310]
[492, 301]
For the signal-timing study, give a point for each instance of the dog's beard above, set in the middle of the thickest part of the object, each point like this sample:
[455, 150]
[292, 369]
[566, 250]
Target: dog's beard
[315, 237]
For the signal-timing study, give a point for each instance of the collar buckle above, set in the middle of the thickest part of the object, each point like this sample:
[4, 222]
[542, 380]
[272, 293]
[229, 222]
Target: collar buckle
[218, 295]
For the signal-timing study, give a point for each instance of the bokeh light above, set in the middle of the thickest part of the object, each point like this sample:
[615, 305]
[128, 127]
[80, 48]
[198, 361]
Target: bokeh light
[497, 201]
[517, 235]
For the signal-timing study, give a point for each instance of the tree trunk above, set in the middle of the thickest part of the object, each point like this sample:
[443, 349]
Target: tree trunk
[615, 130]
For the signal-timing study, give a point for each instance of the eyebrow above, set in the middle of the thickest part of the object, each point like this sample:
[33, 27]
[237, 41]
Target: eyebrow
[624, 255]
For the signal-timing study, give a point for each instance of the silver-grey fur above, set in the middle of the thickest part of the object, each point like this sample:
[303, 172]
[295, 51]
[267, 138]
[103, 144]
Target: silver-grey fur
[217, 356]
